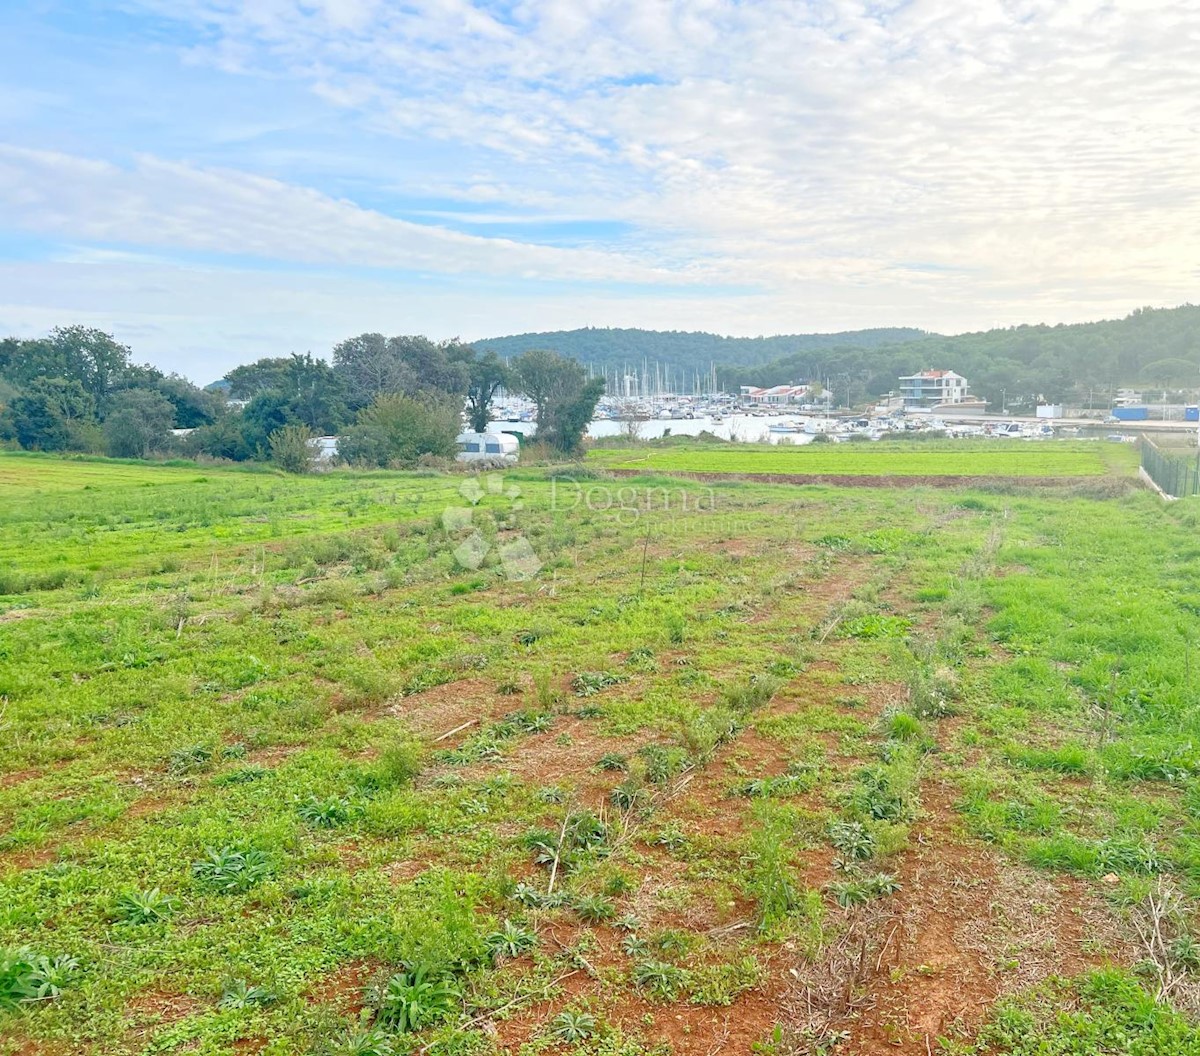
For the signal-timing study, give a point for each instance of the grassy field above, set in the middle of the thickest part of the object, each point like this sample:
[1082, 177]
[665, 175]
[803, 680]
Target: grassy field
[980, 458]
[390, 763]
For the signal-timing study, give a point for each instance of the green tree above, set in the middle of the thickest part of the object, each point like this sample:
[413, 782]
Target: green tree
[193, 406]
[253, 379]
[290, 449]
[52, 414]
[91, 357]
[316, 396]
[563, 397]
[265, 414]
[487, 375]
[542, 375]
[395, 430]
[224, 438]
[569, 418]
[138, 422]
[371, 366]
[435, 366]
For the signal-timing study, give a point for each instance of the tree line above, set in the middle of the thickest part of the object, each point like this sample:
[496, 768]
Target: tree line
[1154, 349]
[1078, 364]
[608, 348]
[390, 401]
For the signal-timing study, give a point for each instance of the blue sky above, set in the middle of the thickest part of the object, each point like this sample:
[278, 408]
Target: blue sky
[216, 180]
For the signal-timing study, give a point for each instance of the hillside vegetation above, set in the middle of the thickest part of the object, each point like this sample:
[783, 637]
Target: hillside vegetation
[605, 347]
[1156, 348]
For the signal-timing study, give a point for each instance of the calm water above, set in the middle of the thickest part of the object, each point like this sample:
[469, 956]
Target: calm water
[744, 427]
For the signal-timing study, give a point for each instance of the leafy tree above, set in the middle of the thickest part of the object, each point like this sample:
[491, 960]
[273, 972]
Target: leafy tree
[51, 415]
[267, 413]
[435, 366]
[371, 366]
[224, 438]
[316, 396]
[1172, 371]
[487, 374]
[253, 379]
[138, 422]
[303, 390]
[563, 396]
[290, 449]
[397, 429]
[541, 374]
[91, 357]
[568, 420]
[193, 406]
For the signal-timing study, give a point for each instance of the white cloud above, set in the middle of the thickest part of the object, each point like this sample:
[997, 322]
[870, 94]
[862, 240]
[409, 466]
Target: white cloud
[1017, 138]
[183, 207]
[852, 163]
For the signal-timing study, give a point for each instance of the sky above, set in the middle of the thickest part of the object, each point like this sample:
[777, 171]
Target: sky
[218, 180]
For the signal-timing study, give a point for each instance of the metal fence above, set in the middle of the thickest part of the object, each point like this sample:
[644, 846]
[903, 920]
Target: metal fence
[1175, 474]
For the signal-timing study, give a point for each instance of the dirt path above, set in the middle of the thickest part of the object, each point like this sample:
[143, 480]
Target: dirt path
[967, 927]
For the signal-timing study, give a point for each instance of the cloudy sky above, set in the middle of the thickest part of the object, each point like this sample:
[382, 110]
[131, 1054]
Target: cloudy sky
[216, 180]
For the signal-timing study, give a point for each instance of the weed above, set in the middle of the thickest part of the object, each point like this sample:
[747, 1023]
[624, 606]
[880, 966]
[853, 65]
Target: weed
[661, 979]
[571, 1028]
[900, 726]
[885, 793]
[237, 993]
[672, 838]
[28, 976]
[612, 761]
[369, 1041]
[594, 909]
[1067, 759]
[511, 940]
[191, 760]
[415, 999]
[146, 907]
[745, 697]
[398, 765]
[546, 696]
[856, 891]
[852, 841]
[232, 869]
[722, 983]
[327, 813]
[587, 683]
[769, 880]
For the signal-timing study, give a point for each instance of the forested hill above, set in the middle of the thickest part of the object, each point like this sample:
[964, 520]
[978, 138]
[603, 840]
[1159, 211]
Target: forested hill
[1150, 348]
[604, 347]
[1153, 348]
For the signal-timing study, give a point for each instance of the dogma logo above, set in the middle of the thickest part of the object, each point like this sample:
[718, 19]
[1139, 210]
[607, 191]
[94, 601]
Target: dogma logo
[516, 554]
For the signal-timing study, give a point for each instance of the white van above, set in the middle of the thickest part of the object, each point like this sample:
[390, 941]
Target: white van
[488, 447]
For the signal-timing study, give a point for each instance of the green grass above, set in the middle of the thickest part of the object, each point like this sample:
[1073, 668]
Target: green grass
[272, 754]
[971, 458]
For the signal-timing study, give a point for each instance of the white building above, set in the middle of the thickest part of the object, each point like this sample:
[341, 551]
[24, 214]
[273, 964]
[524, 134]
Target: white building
[934, 388]
[776, 396]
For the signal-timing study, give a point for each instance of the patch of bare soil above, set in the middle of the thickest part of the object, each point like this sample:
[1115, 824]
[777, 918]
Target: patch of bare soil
[272, 755]
[12, 615]
[689, 1030]
[967, 927]
[438, 710]
[343, 989]
[19, 861]
[154, 1007]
